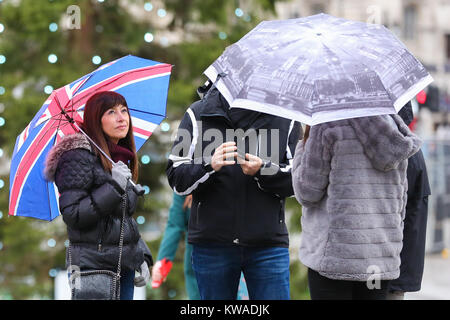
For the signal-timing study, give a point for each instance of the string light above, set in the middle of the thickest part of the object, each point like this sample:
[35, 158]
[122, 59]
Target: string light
[161, 13]
[51, 243]
[145, 159]
[96, 60]
[140, 220]
[48, 89]
[148, 6]
[165, 127]
[53, 273]
[148, 37]
[52, 58]
[53, 27]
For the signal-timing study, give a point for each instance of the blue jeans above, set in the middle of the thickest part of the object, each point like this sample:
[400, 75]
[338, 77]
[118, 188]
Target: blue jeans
[218, 270]
[127, 285]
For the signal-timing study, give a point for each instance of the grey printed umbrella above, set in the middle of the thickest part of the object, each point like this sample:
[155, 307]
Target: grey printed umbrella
[318, 69]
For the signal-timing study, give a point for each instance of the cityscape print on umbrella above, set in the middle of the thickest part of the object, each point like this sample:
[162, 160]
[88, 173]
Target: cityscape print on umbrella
[319, 64]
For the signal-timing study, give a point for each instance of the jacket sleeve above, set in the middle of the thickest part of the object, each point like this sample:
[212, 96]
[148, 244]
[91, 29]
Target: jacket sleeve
[146, 252]
[132, 200]
[279, 178]
[184, 172]
[81, 205]
[311, 168]
[418, 184]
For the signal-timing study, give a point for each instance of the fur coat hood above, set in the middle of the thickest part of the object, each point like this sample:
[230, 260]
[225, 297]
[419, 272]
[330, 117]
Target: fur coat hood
[69, 142]
[386, 140]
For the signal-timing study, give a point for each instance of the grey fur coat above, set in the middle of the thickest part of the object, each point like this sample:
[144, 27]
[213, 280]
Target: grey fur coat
[350, 178]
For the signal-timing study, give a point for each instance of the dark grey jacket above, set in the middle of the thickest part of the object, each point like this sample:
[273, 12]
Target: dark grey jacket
[414, 232]
[90, 204]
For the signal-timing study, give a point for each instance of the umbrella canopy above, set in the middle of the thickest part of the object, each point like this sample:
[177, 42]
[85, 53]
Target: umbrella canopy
[318, 69]
[143, 83]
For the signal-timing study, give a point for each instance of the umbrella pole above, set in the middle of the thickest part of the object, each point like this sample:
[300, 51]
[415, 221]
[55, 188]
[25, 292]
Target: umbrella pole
[137, 188]
[92, 141]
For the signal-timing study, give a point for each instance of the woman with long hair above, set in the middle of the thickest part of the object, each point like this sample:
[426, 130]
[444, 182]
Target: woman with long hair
[92, 188]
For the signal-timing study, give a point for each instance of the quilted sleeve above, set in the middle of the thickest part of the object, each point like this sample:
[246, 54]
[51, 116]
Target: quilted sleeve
[132, 200]
[74, 179]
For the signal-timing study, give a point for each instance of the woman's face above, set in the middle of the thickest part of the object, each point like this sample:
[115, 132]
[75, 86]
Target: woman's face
[115, 123]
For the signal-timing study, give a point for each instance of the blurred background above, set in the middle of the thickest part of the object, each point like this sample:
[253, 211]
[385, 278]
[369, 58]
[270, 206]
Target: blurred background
[45, 44]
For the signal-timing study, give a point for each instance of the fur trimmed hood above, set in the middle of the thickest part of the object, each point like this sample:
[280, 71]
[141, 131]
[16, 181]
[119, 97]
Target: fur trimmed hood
[386, 140]
[69, 142]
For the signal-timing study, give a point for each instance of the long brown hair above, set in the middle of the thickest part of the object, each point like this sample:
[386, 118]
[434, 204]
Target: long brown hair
[306, 134]
[95, 107]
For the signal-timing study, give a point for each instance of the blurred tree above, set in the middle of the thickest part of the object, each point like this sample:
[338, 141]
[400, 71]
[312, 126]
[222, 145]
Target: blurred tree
[40, 50]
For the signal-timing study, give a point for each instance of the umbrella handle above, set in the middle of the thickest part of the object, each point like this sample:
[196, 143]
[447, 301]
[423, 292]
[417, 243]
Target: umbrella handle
[136, 187]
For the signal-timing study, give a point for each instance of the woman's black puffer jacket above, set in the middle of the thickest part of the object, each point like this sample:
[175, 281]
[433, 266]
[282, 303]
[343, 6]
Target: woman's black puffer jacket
[91, 206]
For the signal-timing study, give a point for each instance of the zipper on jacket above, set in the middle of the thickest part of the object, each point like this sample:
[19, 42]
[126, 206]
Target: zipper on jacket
[238, 210]
[280, 217]
[198, 212]
[100, 235]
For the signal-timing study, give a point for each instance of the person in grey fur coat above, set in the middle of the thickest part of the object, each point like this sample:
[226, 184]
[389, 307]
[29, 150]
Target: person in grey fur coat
[350, 178]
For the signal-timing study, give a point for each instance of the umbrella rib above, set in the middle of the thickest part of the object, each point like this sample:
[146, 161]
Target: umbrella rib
[147, 112]
[59, 125]
[42, 137]
[32, 151]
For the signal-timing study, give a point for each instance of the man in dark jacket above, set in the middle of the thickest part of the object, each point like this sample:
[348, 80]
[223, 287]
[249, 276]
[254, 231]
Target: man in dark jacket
[237, 217]
[415, 225]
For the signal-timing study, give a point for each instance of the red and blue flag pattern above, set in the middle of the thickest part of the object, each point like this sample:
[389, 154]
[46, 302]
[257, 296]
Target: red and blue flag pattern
[144, 84]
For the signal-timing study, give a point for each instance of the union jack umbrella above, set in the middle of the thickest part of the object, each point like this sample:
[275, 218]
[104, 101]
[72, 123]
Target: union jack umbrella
[143, 83]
